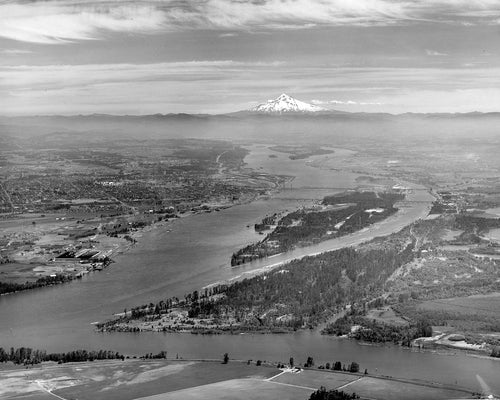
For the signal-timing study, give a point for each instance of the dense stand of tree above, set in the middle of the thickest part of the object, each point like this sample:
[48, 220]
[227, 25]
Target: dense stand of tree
[323, 394]
[11, 287]
[337, 366]
[365, 199]
[309, 289]
[266, 222]
[161, 355]
[495, 352]
[475, 224]
[301, 152]
[301, 294]
[155, 310]
[374, 331]
[316, 226]
[26, 355]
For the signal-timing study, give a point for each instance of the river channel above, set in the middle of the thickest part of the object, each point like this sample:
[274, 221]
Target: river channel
[195, 251]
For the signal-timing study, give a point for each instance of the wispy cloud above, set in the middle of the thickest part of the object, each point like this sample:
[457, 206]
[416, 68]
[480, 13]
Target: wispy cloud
[60, 21]
[346, 102]
[52, 22]
[15, 51]
[434, 53]
[226, 85]
[19, 80]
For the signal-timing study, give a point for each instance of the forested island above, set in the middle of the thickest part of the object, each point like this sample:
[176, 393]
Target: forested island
[301, 294]
[336, 216]
[301, 152]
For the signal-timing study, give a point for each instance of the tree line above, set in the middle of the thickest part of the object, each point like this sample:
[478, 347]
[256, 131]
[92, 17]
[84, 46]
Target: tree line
[27, 355]
[12, 287]
[323, 394]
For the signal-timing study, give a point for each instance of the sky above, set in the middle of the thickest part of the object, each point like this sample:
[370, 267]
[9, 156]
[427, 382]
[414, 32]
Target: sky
[217, 56]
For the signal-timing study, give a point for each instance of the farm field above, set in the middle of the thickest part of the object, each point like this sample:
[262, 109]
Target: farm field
[119, 380]
[483, 304]
[315, 379]
[237, 389]
[390, 390]
[176, 379]
[386, 315]
[295, 386]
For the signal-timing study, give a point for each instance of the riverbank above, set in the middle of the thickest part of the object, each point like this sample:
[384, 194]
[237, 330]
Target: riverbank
[61, 248]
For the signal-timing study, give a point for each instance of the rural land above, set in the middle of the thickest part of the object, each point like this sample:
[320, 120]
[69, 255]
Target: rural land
[161, 379]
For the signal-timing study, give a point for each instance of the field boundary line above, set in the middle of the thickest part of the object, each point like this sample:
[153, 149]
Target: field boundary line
[349, 383]
[275, 376]
[289, 384]
[48, 391]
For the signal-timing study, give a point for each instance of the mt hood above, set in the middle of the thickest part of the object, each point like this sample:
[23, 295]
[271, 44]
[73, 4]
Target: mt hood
[286, 104]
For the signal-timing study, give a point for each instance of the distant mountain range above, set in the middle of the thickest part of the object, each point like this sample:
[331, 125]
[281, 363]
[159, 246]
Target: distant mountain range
[282, 119]
[283, 107]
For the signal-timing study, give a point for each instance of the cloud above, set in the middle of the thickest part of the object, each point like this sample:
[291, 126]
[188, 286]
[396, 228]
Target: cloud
[15, 51]
[346, 102]
[435, 53]
[52, 22]
[61, 21]
[226, 85]
[26, 79]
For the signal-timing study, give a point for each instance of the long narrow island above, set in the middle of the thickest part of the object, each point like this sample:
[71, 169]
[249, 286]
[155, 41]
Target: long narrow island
[335, 216]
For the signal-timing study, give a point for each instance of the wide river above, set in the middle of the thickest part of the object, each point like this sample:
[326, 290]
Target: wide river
[195, 251]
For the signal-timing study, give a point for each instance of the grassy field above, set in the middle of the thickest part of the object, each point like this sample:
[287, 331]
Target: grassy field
[236, 389]
[487, 305]
[391, 390]
[294, 386]
[168, 380]
[315, 379]
[386, 315]
[120, 380]
[476, 314]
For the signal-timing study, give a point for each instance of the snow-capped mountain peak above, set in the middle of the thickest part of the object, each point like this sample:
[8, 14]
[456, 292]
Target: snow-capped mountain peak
[286, 104]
